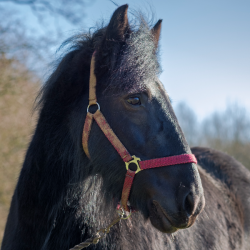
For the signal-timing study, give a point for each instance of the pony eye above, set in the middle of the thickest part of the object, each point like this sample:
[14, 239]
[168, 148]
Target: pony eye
[134, 100]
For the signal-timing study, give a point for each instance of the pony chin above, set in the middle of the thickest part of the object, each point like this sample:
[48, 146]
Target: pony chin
[160, 221]
[162, 224]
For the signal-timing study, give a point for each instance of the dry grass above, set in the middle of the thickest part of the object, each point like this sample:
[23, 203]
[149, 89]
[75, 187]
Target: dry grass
[239, 150]
[18, 88]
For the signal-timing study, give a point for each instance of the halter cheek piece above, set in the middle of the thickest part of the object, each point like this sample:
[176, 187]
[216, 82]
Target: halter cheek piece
[122, 151]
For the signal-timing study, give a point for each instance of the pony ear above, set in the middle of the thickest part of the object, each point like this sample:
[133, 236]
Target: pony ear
[156, 31]
[116, 33]
[118, 24]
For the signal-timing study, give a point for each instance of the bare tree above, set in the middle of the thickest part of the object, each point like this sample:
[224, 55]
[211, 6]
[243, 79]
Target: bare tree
[188, 122]
[232, 125]
[229, 131]
[72, 11]
[19, 41]
[16, 43]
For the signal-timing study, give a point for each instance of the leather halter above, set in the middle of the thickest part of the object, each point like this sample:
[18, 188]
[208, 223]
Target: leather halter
[120, 148]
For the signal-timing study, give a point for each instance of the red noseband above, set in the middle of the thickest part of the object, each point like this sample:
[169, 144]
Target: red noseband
[122, 151]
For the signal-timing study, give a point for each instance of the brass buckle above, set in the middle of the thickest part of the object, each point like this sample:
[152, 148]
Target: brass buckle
[136, 161]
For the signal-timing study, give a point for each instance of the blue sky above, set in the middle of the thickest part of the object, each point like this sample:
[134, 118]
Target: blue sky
[205, 48]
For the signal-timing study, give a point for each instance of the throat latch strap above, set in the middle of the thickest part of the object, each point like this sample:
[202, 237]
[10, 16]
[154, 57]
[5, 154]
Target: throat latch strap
[120, 148]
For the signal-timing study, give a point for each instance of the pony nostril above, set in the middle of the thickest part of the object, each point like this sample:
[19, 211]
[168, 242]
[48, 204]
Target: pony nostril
[189, 204]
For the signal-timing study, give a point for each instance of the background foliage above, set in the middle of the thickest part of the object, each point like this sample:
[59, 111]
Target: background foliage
[18, 88]
[228, 131]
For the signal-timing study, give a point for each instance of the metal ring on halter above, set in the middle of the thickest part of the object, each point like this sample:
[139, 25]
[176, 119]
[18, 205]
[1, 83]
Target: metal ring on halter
[92, 105]
[135, 160]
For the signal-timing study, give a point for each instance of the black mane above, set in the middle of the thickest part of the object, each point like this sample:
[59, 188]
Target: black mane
[62, 94]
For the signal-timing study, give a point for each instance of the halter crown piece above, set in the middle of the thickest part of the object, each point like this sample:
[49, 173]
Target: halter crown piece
[120, 148]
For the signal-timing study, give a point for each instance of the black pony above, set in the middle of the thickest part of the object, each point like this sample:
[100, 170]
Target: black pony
[62, 197]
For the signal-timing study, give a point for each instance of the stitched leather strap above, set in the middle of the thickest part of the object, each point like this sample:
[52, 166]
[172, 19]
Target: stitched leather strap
[126, 189]
[154, 163]
[101, 121]
[92, 82]
[106, 129]
[168, 161]
[86, 132]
